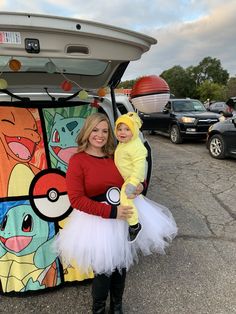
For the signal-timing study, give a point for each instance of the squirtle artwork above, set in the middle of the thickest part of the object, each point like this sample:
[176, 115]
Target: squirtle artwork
[27, 261]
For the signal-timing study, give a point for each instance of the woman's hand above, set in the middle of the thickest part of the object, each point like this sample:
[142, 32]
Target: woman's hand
[124, 212]
[139, 190]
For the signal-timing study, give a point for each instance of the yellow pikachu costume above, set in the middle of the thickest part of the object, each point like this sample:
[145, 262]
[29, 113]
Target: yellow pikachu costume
[130, 159]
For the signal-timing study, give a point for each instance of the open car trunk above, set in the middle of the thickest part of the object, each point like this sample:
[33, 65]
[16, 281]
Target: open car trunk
[40, 118]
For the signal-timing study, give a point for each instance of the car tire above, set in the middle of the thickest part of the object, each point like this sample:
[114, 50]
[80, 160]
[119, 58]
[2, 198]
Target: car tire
[175, 135]
[217, 147]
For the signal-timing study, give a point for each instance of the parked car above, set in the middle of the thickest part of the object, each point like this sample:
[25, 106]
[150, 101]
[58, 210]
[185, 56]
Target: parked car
[221, 139]
[218, 107]
[53, 74]
[181, 119]
[122, 103]
[231, 102]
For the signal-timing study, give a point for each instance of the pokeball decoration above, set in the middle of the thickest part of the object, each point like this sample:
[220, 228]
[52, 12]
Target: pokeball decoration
[150, 94]
[48, 195]
[113, 196]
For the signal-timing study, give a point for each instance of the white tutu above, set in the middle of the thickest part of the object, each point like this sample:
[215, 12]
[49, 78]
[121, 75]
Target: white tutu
[101, 245]
[158, 226]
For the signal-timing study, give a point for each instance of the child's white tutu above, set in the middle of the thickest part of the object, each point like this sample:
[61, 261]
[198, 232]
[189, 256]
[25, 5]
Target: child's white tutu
[102, 244]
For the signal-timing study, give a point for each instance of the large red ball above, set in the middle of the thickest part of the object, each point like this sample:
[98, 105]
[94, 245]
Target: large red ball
[150, 94]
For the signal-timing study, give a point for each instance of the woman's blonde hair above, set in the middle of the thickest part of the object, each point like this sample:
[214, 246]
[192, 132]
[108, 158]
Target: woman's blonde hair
[90, 123]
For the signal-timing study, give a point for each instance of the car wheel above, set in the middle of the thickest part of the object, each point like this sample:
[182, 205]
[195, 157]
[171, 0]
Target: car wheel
[217, 146]
[175, 136]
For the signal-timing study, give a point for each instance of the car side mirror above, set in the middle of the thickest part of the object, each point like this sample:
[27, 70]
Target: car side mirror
[165, 110]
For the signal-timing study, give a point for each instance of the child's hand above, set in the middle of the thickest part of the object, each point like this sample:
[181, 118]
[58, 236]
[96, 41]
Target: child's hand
[130, 189]
[138, 190]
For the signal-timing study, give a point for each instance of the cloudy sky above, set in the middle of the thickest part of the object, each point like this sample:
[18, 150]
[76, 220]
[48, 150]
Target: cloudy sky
[186, 30]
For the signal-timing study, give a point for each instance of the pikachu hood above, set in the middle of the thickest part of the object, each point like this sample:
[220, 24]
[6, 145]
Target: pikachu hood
[132, 120]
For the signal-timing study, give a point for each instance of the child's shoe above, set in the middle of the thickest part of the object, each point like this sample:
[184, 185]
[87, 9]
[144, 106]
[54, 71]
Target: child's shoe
[134, 232]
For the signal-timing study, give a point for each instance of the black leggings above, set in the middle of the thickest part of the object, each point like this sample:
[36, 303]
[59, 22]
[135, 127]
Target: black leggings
[102, 284]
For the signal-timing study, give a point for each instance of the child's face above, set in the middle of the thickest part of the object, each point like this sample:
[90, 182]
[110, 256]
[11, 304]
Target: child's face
[123, 133]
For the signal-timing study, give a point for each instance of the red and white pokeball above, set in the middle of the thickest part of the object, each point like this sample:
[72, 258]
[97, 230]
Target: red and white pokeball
[48, 195]
[150, 94]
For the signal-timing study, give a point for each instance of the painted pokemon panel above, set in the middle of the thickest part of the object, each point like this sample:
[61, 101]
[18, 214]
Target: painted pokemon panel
[36, 144]
[22, 149]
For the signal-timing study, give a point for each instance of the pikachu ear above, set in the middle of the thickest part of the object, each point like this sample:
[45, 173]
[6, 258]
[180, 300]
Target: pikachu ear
[135, 117]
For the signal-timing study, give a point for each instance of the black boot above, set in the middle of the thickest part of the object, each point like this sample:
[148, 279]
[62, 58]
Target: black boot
[116, 308]
[116, 292]
[100, 289]
[99, 307]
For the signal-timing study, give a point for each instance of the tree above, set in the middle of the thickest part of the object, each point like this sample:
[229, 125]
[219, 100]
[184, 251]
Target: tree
[212, 91]
[180, 82]
[231, 87]
[209, 69]
[127, 83]
[187, 82]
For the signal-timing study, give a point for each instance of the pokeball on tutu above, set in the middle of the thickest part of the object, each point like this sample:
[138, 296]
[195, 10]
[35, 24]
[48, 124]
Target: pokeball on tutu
[48, 195]
[150, 94]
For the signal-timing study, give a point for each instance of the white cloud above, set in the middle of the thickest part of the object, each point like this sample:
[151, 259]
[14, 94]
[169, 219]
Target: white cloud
[187, 44]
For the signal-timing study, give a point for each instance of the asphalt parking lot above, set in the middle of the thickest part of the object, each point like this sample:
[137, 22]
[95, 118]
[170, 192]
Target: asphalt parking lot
[198, 273]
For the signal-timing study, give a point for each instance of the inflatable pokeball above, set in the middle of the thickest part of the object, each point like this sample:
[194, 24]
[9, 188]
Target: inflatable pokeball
[150, 94]
[48, 195]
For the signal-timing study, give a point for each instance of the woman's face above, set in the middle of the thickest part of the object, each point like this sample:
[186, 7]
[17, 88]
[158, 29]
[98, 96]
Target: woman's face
[99, 135]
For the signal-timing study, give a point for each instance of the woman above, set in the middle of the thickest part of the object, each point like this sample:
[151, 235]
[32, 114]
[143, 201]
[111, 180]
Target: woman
[96, 234]
[92, 183]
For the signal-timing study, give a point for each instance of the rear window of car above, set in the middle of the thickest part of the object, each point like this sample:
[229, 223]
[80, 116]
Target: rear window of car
[57, 65]
[220, 105]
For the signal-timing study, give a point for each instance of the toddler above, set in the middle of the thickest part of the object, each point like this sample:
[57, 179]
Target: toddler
[130, 159]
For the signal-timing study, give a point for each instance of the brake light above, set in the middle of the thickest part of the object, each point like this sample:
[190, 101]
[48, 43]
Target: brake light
[229, 109]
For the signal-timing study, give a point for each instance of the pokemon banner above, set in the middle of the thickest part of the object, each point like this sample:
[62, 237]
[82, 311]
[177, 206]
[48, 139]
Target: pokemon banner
[36, 144]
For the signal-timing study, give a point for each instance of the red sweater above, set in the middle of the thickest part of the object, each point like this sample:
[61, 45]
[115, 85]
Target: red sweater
[89, 176]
